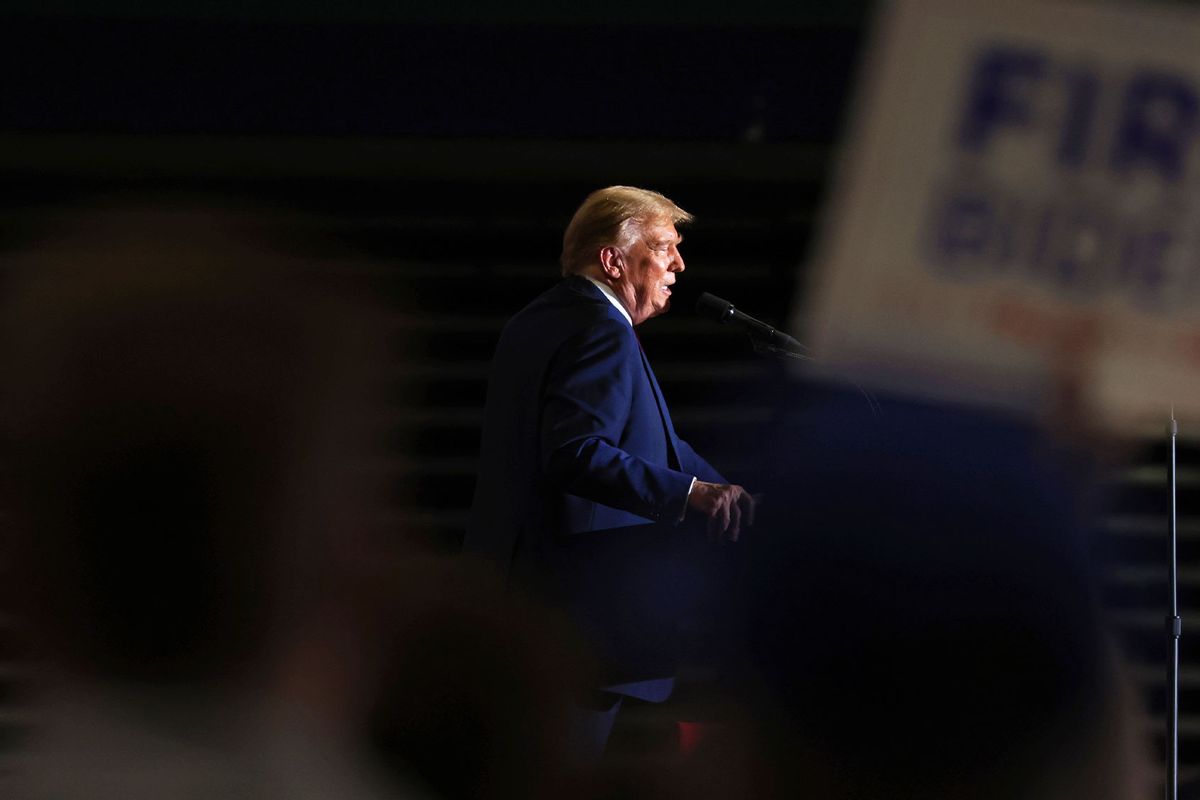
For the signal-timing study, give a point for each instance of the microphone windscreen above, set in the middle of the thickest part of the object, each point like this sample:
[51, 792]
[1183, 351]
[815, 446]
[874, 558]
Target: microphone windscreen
[714, 307]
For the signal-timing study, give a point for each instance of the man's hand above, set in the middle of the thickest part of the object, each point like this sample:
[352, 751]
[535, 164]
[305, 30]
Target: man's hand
[727, 506]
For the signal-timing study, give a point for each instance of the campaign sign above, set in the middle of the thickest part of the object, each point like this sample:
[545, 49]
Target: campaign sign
[1018, 206]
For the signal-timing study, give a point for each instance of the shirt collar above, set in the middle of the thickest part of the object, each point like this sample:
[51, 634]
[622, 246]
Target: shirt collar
[612, 298]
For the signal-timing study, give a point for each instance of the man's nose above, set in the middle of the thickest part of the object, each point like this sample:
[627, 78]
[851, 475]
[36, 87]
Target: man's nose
[677, 264]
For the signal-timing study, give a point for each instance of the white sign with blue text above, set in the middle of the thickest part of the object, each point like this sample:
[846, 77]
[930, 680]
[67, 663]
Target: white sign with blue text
[1018, 208]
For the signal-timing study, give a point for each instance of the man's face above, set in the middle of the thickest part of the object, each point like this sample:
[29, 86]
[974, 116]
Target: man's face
[651, 262]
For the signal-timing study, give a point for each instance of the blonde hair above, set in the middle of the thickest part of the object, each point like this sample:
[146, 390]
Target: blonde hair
[609, 216]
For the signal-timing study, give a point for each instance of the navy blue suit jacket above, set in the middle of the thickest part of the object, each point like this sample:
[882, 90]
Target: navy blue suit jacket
[582, 477]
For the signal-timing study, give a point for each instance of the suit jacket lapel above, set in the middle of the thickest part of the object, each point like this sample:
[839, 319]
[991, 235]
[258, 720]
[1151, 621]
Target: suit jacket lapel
[668, 428]
[584, 285]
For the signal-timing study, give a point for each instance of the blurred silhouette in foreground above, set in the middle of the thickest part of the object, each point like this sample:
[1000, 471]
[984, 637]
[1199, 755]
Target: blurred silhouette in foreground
[922, 620]
[187, 430]
[183, 426]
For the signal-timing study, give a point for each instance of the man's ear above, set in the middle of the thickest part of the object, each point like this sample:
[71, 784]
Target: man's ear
[612, 261]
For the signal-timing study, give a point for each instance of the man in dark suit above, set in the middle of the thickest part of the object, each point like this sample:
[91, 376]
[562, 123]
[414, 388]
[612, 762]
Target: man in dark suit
[582, 477]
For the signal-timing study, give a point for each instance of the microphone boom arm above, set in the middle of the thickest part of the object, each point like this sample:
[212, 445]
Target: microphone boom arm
[765, 337]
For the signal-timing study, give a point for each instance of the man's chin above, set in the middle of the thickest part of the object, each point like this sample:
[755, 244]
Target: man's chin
[655, 311]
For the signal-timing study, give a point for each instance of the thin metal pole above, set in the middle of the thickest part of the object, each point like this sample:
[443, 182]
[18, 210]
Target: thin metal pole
[1174, 631]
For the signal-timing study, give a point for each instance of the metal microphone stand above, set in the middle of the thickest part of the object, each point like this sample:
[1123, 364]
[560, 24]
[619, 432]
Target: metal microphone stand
[1174, 631]
[764, 347]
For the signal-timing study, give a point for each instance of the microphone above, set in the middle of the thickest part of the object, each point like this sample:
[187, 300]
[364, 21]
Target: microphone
[723, 312]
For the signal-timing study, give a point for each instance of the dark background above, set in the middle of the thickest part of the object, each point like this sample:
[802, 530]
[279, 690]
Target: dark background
[431, 155]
